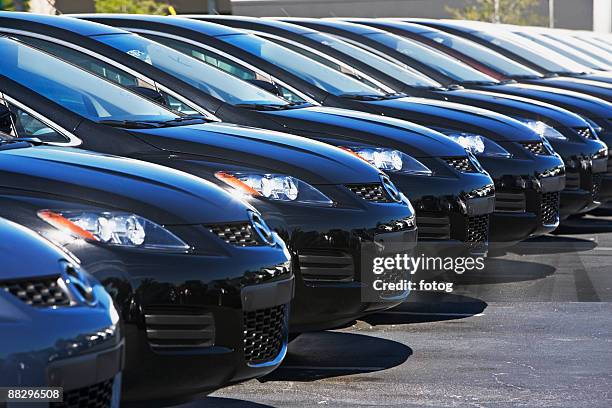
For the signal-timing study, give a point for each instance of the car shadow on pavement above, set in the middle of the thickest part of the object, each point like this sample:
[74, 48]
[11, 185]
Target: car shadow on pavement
[425, 307]
[220, 402]
[502, 271]
[328, 354]
[552, 244]
[585, 225]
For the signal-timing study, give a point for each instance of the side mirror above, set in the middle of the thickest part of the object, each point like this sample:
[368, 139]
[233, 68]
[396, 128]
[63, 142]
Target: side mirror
[149, 93]
[5, 120]
[266, 86]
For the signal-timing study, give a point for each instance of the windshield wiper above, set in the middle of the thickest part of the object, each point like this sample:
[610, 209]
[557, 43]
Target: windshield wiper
[131, 124]
[395, 95]
[362, 97]
[20, 142]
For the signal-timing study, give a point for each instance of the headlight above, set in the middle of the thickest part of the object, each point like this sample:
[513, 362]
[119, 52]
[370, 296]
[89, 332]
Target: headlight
[478, 145]
[114, 228]
[390, 160]
[598, 129]
[274, 187]
[542, 129]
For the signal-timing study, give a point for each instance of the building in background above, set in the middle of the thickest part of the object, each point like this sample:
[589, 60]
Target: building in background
[572, 14]
[87, 6]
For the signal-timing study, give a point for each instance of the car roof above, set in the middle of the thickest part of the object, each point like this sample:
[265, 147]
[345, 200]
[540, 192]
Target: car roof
[71, 24]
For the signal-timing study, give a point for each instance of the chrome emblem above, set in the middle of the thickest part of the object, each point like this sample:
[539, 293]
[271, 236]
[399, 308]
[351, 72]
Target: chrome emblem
[390, 188]
[262, 229]
[78, 284]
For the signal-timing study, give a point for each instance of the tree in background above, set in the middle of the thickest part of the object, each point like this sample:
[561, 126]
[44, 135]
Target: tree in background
[521, 12]
[132, 6]
[13, 5]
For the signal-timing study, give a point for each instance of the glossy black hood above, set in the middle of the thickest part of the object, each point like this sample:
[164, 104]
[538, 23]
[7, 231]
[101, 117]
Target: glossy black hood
[342, 125]
[310, 160]
[441, 114]
[163, 195]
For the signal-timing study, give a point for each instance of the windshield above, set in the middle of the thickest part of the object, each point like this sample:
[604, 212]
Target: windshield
[541, 56]
[482, 54]
[309, 70]
[204, 77]
[76, 90]
[444, 64]
[565, 50]
[405, 74]
[584, 47]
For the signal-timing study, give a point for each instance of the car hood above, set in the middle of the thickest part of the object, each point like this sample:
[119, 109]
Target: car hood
[587, 105]
[265, 150]
[343, 126]
[164, 195]
[514, 105]
[441, 114]
[17, 244]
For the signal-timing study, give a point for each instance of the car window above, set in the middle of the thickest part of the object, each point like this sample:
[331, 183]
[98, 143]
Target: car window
[224, 64]
[27, 125]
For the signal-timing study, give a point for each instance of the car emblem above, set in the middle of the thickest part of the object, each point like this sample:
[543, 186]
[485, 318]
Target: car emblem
[390, 188]
[79, 286]
[262, 229]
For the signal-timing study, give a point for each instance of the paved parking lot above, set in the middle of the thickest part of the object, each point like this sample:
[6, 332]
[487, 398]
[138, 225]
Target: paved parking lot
[537, 332]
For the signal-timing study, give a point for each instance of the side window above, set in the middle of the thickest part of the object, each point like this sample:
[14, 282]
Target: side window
[86, 62]
[28, 126]
[222, 63]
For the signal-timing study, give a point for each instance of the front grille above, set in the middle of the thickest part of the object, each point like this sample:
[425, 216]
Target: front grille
[38, 292]
[370, 192]
[585, 132]
[536, 148]
[510, 202]
[433, 226]
[462, 164]
[179, 327]
[478, 228]
[596, 188]
[397, 226]
[549, 208]
[264, 333]
[240, 234]
[572, 179]
[267, 274]
[99, 395]
[326, 265]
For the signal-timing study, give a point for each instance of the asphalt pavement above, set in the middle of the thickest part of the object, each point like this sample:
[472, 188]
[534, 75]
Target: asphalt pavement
[533, 330]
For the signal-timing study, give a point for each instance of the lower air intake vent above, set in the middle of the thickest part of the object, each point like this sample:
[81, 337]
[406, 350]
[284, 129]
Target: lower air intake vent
[572, 179]
[99, 395]
[510, 202]
[550, 208]
[433, 227]
[264, 333]
[478, 228]
[240, 234]
[462, 164]
[585, 132]
[179, 327]
[326, 265]
[267, 274]
[596, 189]
[37, 292]
[536, 148]
[370, 192]
[396, 226]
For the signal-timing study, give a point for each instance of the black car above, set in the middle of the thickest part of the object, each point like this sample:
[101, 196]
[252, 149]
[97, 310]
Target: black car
[201, 284]
[554, 69]
[325, 203]
[569, 134]
[448, 196]
[59, 326]
[246, 54]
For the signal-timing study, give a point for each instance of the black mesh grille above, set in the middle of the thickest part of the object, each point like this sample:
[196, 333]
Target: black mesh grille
[266, 274]
[95, 396]
[536, 148]
[515, 202]
[240, 234]
[264, 333]
[596, 189]
[478, 228]
[179, 327]
[550, 208]
[396, 226]
[585, 132]
[462, 164]
[572, 179]
[38, 292]
[370, 192]
[433, 226]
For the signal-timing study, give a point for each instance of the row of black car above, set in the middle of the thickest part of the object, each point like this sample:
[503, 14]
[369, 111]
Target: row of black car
[222, 176]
